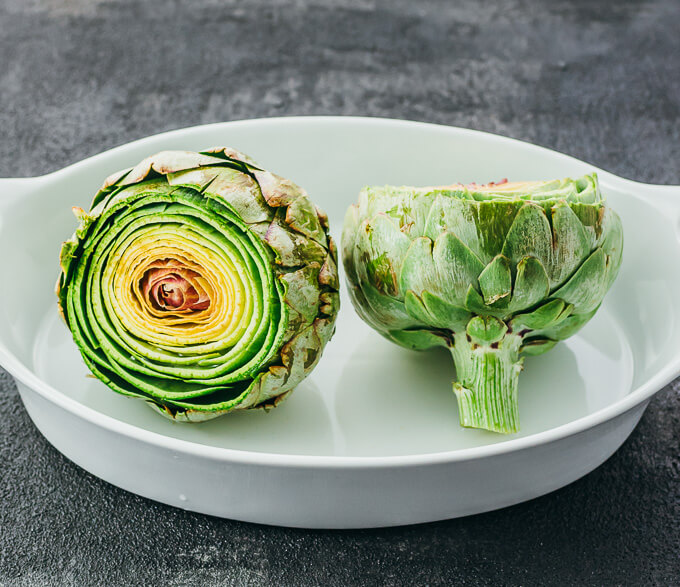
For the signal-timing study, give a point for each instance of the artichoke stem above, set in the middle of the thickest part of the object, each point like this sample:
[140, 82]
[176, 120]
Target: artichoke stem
[487, 383]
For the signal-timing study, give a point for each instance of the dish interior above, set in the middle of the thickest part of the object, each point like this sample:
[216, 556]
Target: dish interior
[367, 397]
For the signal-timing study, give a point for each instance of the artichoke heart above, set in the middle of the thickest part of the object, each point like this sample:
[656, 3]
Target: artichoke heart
[200, 283]
[489, 271]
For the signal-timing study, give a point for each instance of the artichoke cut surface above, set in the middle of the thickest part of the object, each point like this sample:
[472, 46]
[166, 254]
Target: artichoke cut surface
[490, 271]
[200, 283]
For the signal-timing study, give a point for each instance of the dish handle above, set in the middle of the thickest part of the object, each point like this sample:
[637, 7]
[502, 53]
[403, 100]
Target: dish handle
[666, 198]
[14, 188]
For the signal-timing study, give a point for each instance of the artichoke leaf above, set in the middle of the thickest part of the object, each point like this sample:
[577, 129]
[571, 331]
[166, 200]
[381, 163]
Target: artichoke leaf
[302, 216]
[566, 327]
[486, 330]
[531, 284]
[292, 248]
[546, 315]
[529, 235]
[381, 247]
[457, 216]
[537, 346]
[446, 315]
[495, 281]
[418, 340]
[571, 243]
[584, 290]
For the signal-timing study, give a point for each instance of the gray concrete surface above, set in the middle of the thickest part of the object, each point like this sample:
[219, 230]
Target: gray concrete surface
[595, 79]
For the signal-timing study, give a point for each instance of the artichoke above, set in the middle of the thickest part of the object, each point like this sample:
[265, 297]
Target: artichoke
[489, 271]
[200, 283]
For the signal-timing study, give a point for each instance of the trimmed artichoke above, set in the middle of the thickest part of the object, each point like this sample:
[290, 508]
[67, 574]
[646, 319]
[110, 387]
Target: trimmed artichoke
[489, 271]
[200, 283]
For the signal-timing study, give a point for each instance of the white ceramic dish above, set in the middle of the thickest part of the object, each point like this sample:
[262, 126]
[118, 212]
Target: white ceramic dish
[372, 437]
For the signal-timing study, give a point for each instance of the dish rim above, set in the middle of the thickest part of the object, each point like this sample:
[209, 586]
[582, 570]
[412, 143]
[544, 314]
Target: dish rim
[635, 397]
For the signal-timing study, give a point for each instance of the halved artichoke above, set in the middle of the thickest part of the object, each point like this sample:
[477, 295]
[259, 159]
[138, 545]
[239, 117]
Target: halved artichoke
[200, 283]
[489, 271]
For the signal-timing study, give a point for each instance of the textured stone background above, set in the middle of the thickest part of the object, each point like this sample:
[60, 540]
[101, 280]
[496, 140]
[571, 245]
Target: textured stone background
[595, 79]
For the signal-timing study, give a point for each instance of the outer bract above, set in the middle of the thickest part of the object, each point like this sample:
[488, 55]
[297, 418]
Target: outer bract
[489, 271]
[200, 283]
